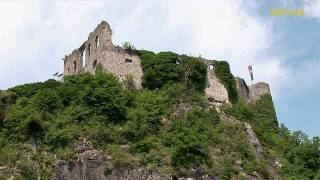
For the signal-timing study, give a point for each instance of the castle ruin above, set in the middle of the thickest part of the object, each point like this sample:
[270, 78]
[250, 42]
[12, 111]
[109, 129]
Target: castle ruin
[99, 49]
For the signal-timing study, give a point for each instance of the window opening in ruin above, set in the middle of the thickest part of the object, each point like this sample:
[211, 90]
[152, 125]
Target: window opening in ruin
[89, 49]
[74, 65]
[83, 58]
[97, 41]
[94, 65]
[177, 62]
[211, 66]
[68, 71]
[128, 60]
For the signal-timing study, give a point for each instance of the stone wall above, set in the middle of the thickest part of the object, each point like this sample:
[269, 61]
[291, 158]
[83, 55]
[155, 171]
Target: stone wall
[252, 93]
[258, 90]
[99, 49]
[215, 90]
[242, 87]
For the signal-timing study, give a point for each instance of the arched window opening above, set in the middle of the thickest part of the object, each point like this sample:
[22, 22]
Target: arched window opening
[83, 56]
[211, 66]
[97, 41]
[74, 65]
[89, 49]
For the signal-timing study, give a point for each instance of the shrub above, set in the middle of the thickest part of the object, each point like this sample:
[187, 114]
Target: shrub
[143, 146]
[194, 72]
[33, 126]
[167, 67]
[222, 71]
[128, 46]
[188, 147]
[47, 101]
[121, 159]
[59, 138]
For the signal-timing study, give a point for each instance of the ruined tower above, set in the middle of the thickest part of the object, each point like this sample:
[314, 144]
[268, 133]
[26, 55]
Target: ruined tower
[99, 49]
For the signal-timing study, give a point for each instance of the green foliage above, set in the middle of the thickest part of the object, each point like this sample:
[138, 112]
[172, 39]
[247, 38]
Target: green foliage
[194, 72]
[160, 69]
[128, 46]
[143, 146]
[28, 90]
[222, 71]
[120, 158]
[27, 171]
[261, 115]
[33, 126]
[168, 127]
[47, 101]
[190, 138]
[146, 115]
[167, 68]
[99, 68]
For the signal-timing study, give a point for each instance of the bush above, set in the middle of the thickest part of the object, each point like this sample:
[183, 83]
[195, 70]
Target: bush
[60, 138]
[47, 101]
[27, 171]
[121, 159]
[143, 146]
[33, 126]
[188, 147]
[194, 72]
[168, 68]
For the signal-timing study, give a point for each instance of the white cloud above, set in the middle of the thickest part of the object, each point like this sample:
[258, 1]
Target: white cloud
[312, 8]
[223, 30]
[36, 35]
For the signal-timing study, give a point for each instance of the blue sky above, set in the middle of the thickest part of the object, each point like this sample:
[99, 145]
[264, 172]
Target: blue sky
[284, 51]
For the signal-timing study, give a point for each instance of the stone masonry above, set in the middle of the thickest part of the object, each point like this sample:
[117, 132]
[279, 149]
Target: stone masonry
[215, 89]
[99, 49]
[254, 92]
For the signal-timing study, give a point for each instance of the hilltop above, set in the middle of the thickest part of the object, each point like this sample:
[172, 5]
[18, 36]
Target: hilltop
[95, 126]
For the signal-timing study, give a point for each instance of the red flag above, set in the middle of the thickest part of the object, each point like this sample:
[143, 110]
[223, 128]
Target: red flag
[250, 72]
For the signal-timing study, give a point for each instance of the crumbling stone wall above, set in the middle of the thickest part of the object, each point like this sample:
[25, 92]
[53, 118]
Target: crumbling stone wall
[215, 90]
[99, 49]
[254, 92]
[242, 87]
[258, 90]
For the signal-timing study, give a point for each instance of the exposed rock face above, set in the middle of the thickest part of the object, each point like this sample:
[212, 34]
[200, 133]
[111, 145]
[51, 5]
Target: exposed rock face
[99, 49]
[254, 141]
[93, 165]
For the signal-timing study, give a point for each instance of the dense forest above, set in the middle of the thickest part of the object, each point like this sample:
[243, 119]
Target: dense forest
[168, 126]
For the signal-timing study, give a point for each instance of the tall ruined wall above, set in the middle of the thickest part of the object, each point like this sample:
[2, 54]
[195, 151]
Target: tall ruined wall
[242, 87]
[215, 89]
[99, 49]
[254, 92]
[73, 63]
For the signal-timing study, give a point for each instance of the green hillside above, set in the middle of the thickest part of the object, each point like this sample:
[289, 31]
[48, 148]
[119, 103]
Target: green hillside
[168, 126]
